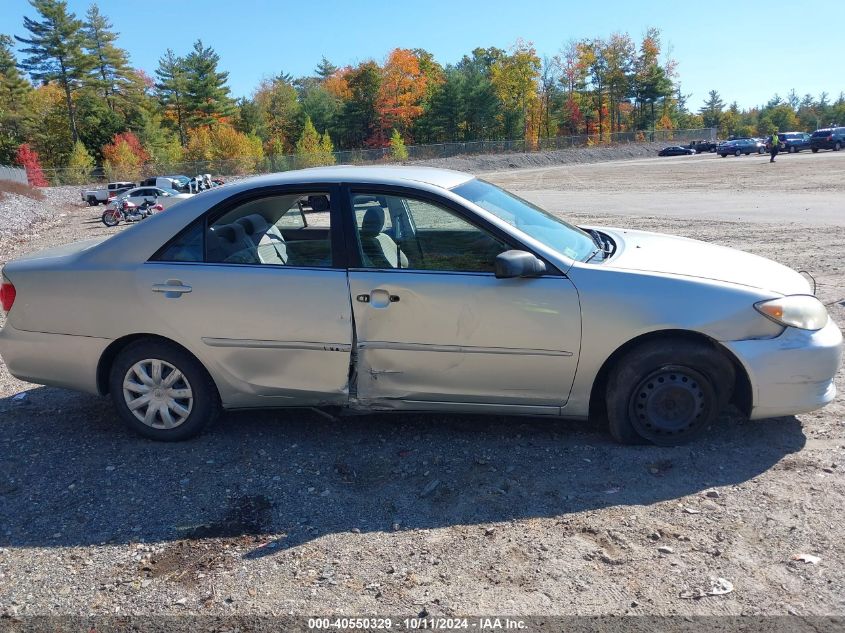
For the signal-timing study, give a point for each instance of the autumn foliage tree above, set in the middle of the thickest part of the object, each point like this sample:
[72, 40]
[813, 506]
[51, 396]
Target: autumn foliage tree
[401, 93]
[27, 158]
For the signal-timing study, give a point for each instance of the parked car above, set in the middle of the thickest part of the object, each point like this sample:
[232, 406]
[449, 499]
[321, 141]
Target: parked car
[791, 142]
[676, 150]
[166, 182]
[411, 288]
[152, 195]
[738, 147]
[703, 146]
[828, 138]
[103, 195]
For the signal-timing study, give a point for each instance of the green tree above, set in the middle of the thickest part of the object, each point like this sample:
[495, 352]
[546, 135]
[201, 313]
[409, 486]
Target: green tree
[97, 122]
[712, 109]
[281, 112]
[15, 91]
[206, 93]
[359, 119]
[308, 149]
[513, 77]
[79, 166]
[325, 68]
[398, 151]
[111, 64]
[327, 149]
[55, 51]
[171, 89]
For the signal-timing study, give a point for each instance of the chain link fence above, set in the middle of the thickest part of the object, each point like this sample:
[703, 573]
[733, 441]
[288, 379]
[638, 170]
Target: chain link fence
[249, 165]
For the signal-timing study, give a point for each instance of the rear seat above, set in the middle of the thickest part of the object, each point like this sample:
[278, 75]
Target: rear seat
[229, 243]
[266, 239]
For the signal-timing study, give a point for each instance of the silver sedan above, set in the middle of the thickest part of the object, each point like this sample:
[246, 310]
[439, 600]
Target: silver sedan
[402, 288]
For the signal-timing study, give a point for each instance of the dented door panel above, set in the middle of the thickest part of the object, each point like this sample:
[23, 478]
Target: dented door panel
[464, 338]
[271, 335]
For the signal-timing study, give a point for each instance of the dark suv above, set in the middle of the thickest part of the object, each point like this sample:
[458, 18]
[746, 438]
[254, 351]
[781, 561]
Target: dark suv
[828, 138]
[791, 142]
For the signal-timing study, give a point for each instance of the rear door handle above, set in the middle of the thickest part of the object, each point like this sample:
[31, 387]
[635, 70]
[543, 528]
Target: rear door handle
[172, 289]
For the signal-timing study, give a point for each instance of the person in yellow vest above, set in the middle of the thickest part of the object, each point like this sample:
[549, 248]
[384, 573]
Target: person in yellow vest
[775, 146]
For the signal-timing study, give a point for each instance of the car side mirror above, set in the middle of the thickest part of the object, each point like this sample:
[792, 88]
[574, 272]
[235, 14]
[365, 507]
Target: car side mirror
[515, 263]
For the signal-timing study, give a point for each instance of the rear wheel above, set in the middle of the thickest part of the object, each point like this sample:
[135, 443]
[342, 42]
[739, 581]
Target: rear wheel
[723, 155]
[837, 147]
[162, 392]
[92, 201]
[793, 149]
[737, 153]
[666, 392]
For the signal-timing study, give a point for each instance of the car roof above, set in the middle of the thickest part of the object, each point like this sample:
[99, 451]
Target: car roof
[444, 178]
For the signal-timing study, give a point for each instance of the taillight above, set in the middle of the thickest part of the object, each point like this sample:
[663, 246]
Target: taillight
[7, 295]
[830, 138]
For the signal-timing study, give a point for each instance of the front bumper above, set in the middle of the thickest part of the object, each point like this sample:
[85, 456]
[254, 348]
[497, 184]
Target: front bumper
[58, 360]
[793, 373]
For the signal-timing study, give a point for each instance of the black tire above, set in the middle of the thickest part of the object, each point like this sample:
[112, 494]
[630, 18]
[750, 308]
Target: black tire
[666, 392]
[814, 150]
[837, 147]
[202, 407]
[92, 201]
[723, 155]
[761, 150]
[110, 218]
[793, 149]
[738, 153]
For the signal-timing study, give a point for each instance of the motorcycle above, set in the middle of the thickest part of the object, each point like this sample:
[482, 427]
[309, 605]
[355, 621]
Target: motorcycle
[127, 211]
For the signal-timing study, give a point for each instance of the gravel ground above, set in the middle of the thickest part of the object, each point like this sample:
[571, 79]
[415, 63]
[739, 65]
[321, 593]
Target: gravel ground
[288, 512]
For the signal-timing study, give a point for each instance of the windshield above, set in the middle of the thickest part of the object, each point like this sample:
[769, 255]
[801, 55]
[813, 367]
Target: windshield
[528, 218]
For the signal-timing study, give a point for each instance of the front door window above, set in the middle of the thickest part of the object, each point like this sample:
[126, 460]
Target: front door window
[401, 232]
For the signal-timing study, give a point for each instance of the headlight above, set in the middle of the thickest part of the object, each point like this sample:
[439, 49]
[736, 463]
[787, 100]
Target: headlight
[801, 311]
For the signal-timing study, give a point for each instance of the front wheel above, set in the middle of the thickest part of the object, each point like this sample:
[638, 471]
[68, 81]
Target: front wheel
[111, 217]
[667, 392]
[793, 150]
[761, 150]
[737, 153]
[723, 155]
[162, 392]
[837, 147]
[815, 150]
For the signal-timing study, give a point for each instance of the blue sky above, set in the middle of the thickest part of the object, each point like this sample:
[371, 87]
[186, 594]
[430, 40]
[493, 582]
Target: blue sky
[746, 49]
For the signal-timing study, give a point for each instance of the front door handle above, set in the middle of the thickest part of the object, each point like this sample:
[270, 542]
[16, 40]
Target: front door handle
[172, 288]
[378, 298]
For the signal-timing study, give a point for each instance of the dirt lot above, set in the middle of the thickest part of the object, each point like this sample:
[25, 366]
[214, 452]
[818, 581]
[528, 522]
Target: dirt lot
[288, 512]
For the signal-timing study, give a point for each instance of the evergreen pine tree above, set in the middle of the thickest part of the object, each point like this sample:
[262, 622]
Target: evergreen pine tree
[55, 51]
[79, 166]
[171, 88]
[308, 146]
[13, 86]
[397, 146]
[14, 90]
[111, 64]
[325, 68]
[207, 95]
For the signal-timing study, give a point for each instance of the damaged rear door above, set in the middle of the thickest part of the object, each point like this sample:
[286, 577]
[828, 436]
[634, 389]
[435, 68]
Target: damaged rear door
[434, 326]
